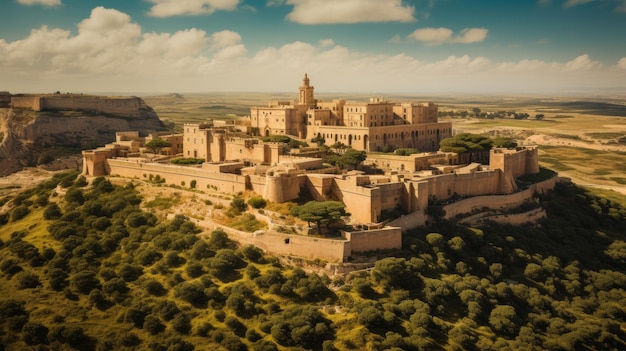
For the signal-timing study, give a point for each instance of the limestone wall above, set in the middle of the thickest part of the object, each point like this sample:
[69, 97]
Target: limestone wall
[28, 102]
[332, 250]
[362, 202]
[282, 187]
[122, 106]
[388, 238]
[410, 221]
[497, 202]
[225, 182]
[100, 104]
[445, 186]
[532, 216]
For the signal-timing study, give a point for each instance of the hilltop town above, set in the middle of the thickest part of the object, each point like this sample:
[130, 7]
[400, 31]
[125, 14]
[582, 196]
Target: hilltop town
[233, 159]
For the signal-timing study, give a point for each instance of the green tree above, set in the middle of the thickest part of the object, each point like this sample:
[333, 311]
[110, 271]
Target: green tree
[155, 145]
[237, 206]
[503, 319]
[85, 281]
[321, 212]
[257, 202]
[351, 157]
[466, 142]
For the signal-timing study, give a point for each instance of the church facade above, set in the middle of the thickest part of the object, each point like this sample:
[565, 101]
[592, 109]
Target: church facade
[374, 125]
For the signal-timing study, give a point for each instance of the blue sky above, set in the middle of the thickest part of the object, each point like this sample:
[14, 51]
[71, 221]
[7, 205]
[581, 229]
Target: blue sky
[375, 46]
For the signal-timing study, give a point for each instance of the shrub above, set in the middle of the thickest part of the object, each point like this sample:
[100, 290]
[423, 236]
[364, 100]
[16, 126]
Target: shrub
[153, 287]
[238, 205]
[257, 202]
[85, 281]
[192, 293]
[182, 323]
[152, 324]
[35, 333]
[19, 212]
[27, 280]
[52, 211]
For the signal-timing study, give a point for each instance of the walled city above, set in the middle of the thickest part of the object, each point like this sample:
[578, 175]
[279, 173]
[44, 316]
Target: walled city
[235, 160]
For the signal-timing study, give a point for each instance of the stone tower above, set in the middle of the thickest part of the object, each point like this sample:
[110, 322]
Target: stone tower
[306, 93]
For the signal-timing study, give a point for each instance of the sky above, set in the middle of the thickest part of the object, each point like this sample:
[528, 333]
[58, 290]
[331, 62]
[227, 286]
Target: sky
[555, 47]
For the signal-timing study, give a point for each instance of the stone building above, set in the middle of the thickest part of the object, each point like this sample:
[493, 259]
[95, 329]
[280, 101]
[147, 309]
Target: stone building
[374, 125]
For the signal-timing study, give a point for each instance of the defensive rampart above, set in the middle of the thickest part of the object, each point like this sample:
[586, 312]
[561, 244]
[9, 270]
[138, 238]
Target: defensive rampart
[128, 106]
[497, 202]
[388, 238]
[176, 175]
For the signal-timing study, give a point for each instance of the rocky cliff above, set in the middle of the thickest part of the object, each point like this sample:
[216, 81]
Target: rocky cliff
[28, 137]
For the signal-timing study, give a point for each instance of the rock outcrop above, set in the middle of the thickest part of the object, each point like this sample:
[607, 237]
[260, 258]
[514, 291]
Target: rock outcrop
[29, 137]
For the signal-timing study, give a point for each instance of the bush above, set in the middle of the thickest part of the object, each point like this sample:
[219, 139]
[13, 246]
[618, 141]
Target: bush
[238, 205]
[153, 287]
[19, 212]
[35, 333]
[27, 280]
[182, 323]
[152, 324]
[257, 202]
[85, 281]
[52, 211]
[192, 293]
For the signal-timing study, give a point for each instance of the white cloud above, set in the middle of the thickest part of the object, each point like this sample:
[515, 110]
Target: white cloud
[572, 3]
[40, 2]
[621, 7]
[168, 8]
[327, 42]
[471, 35]
[225, 38]
[582, 63]
[436, 36]
[349, 11]
[110, 52]
[544, 3]
[432, 35]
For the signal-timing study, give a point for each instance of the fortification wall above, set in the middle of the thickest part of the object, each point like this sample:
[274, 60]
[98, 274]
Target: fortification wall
[388, 238]
[225, 182]
[282, 187]
[515, 163]
[308, 247]
[532, 216]
[363, 203]
[410, 220]
[121, 106]
[100, 104]
[319, 186]
[497, 202]
[470, 184]
[28, 102]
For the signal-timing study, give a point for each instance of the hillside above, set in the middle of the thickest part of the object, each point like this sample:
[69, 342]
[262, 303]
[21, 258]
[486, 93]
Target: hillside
[84, 267]
[28, 138]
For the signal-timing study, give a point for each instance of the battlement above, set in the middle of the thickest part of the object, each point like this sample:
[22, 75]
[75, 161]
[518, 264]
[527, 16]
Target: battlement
[122, 105]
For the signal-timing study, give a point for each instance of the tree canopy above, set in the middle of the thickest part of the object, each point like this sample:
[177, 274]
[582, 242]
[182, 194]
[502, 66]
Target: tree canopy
[320, 212]
[155, 145]
[466, 142]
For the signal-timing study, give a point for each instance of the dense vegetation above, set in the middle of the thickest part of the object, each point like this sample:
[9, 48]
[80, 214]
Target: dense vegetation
[83, 267]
